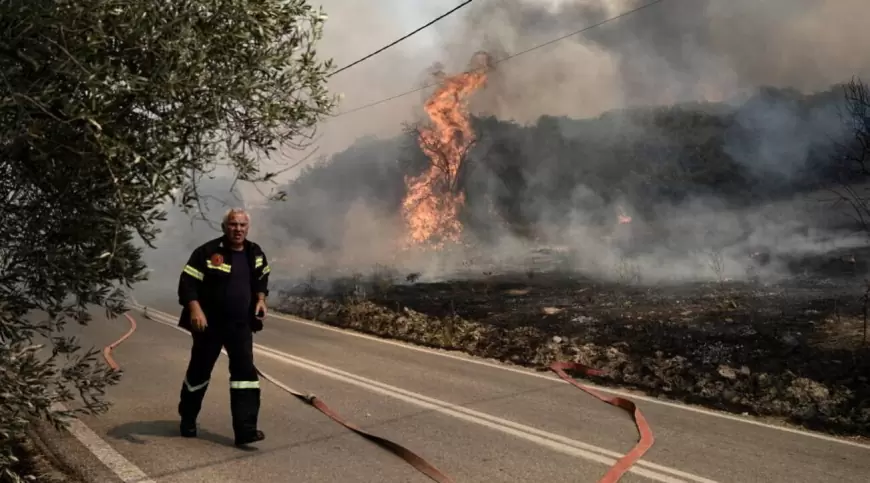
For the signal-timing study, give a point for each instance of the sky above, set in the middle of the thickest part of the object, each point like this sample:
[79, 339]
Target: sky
[354, 29]
[359, 27]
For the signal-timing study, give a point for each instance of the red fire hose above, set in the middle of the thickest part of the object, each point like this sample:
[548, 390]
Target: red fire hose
[613, 474]
[646, 439]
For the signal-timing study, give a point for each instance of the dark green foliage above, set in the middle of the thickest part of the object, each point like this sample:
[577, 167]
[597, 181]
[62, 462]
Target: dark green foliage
[107, 108]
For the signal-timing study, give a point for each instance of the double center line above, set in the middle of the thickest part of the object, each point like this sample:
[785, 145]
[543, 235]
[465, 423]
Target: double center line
[543, 438]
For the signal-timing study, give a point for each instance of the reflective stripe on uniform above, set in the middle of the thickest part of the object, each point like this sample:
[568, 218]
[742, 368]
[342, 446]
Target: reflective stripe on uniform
[193, 272]
[266, 270]
[258, 262]
[195, 388]
[223, 267]
[244, 384]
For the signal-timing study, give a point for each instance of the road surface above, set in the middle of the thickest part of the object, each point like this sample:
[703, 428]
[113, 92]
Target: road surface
[475, 421]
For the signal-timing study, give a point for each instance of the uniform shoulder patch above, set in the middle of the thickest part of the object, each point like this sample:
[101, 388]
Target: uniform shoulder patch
[217, 259]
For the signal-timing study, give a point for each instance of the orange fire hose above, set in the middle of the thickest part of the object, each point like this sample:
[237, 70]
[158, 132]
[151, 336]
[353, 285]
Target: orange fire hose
[613, 474]
[107, 351]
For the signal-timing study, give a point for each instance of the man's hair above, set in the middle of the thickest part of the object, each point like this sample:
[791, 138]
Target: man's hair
[234, 211]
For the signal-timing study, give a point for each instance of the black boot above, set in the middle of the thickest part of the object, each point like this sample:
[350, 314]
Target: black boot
[247, 438]
[188, 428]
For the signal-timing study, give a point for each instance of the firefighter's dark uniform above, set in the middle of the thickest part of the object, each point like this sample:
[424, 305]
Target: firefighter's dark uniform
[225, 283]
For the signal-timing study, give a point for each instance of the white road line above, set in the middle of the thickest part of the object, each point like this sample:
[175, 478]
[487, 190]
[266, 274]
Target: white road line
[544, 438]
[114, 461]
[553, 378]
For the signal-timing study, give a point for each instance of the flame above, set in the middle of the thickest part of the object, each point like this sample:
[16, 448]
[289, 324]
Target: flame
[433, 201]
[622, 216]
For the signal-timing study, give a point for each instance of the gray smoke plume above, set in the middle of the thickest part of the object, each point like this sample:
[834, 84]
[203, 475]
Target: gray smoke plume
[677, 50]
[344, 215]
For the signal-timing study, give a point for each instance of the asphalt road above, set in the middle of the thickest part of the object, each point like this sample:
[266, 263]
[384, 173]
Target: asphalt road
[475, 421]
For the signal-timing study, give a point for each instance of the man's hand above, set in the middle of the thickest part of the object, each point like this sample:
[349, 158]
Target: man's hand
[197, 317]
[260, 310]
[259, 313]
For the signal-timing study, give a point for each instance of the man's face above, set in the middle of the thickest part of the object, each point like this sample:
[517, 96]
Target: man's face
[236, 228]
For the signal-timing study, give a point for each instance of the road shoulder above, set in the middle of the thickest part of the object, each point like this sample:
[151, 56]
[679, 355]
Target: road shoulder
[64, 459]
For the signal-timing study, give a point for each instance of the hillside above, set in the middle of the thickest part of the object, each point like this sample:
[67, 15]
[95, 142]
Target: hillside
[771, 145]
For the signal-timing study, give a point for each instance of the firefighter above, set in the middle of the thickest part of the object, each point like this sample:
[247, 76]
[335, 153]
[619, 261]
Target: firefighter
[223, 290]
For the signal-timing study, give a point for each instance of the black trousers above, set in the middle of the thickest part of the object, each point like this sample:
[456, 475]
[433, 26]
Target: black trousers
[237, 339]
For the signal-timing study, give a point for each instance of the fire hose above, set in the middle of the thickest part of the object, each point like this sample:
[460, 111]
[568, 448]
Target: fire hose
[613, 474]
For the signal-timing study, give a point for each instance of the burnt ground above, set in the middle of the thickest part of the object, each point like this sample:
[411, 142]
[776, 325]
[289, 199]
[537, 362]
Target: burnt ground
[793, 351]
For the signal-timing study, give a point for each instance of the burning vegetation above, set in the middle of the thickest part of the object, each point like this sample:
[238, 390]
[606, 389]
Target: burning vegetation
[792, 346]
[433, 201]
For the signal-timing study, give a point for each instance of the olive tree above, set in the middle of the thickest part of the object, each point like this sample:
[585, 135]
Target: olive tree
[109, 108]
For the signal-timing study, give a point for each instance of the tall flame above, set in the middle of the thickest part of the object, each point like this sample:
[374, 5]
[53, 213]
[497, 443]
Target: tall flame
[431, 206]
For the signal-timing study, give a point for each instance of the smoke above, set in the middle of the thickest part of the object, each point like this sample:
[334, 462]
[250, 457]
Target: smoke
[544, 180]
[182, 232]
[353, 30]
[675, 51]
